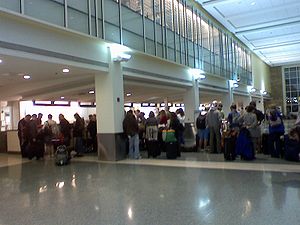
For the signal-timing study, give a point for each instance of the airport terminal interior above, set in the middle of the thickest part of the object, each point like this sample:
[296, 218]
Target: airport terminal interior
[165, 112]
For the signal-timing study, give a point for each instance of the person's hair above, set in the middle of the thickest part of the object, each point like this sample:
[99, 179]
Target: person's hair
[173, 115]
[34, 116]
[129, 112]
[151, 114]
[76, 115]
[233, 106]
[49, 116]
[253, 103]
[250, 108]
[40, 114]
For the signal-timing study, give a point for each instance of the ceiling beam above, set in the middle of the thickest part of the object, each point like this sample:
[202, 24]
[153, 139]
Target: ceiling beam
[216, 2]
[267, 26]
[285, 44]
[253, 13]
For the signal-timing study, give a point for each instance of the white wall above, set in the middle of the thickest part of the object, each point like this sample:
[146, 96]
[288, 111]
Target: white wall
[27, 107]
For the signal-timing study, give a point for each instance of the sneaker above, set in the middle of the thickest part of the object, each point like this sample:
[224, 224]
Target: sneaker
[139, 157]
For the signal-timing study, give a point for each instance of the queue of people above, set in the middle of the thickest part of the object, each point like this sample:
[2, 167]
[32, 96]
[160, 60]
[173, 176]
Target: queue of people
[244, 126]
[37, 139]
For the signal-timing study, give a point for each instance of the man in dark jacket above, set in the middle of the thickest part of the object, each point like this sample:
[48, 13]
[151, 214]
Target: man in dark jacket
[131, 129]
[65, 129]
[23, 134]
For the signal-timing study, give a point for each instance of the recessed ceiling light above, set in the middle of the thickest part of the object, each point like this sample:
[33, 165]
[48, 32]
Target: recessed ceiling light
[66, 70]
[253, 3]
[128, 94]
[1, 60]
[26, 77]
[62, 97]
[91, 92]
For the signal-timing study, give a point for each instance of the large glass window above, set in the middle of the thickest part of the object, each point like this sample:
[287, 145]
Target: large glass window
[292, 88]
[78, 15]
[111, 18]
[50, 11]
[13, 5]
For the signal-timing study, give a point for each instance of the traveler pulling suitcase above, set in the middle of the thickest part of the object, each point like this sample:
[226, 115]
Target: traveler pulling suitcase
[62, 156]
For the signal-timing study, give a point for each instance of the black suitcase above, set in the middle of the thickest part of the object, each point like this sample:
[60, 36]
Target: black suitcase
[62, 156]
[153, 149]
[229, 148]
[264, 144]
[171, 150]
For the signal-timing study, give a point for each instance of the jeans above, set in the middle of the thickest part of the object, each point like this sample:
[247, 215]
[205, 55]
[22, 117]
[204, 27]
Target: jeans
[274, 139]
[79, 145]
[134, 152]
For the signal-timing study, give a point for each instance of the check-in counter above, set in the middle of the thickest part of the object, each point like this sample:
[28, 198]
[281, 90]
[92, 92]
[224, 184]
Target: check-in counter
[13, 141]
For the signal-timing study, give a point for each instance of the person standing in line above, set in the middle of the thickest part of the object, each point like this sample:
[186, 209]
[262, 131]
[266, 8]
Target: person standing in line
[92, 131]
[39, 119]
[131, 129]
[249, 121]
[203, 131]
[23, 134]
[233, 118]
[50, 129]
[78, 128]
[181, 118]
[260, 117]
[65, 129]
[214, 121]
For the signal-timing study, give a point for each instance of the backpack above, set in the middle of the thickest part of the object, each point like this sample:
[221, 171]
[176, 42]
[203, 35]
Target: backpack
[201, 123]
[259, 115]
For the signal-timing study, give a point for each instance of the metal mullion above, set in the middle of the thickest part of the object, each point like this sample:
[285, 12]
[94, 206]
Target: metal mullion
[103, 20]
[66, 13]
[210, 47]
[201, 43]
[22, 7]
[162, 29]
[179, 31]
[193, 30]
[90, 17]
[165, 25]
[144, 28]
[120, 22]
[154, 25]
[96, 15]
[186, 36]
[174, 29]
[220, 51]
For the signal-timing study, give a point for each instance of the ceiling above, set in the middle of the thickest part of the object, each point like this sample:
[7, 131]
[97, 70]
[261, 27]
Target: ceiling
[48, 82]
[270, 28]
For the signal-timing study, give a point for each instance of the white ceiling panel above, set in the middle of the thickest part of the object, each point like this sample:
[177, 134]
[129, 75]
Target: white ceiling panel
[268, 27]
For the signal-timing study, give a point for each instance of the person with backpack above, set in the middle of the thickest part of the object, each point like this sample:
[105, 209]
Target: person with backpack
[50, 130]
[202, 130]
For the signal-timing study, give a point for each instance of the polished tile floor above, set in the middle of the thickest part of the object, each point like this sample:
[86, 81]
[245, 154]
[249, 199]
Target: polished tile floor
[132, 192]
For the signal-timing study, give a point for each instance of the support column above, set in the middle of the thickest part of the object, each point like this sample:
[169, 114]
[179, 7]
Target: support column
[191, 105]
[191, 102]
[110, 113]
[15, 114]
[227, 100]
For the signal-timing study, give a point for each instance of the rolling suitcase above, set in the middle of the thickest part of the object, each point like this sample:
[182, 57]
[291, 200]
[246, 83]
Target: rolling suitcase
[171, 150]
[153, 148]
[229, 148]
[62, 156]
